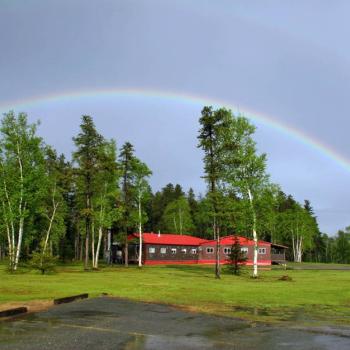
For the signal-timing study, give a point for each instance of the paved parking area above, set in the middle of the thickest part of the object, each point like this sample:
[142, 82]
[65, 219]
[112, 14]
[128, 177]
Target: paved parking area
[108, 323]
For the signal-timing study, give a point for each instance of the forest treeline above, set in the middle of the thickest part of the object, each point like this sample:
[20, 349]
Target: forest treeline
[73, 208]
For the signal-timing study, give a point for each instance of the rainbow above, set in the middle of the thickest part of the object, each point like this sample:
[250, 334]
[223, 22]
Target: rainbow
[183, 98]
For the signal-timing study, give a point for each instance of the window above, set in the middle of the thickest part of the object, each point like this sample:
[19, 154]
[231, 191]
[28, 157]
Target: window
[244, 250]
[162, 250]
[262, 251]
[151, 250]
[173, 250]
[227, 251]
[193, 251]
[210, 250]
[184, 250]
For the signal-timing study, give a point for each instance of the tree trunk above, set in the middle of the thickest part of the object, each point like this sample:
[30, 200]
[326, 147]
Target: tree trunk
[93, 244]
[86, 262]
[217, 264]
[140, 233]
[255, 236]
[55, 206]
[100, 233]
[19, 243]
[126, 251]
[81, 249]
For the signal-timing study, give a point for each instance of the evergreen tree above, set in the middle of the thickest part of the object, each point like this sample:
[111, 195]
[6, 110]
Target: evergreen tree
[237, 258]
[211, 143]
[87, 156]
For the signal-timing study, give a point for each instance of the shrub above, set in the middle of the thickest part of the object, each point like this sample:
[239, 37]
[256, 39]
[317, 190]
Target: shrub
[43, 262]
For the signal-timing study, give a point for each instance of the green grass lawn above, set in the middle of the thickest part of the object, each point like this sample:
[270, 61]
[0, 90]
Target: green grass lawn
[311, 295]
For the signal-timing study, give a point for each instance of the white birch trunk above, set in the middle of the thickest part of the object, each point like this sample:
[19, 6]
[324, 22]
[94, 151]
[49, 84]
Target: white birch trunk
[100, 232]
[255, 236]
[21, 209]
[48, 232]
[93, 244]
[96, 254]
[140, 232]
[19, 243]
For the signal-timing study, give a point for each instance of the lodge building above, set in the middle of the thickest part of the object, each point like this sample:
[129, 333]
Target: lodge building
[184, 249]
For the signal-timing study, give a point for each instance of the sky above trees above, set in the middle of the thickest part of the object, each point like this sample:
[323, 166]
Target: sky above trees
[289, 60]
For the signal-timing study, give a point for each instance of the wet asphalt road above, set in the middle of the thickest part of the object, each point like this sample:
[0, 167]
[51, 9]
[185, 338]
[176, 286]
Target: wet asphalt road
[107, 323]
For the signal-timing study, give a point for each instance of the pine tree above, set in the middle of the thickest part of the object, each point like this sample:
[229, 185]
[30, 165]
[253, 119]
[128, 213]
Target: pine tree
[237, 258]
[87, 157]
[126, 161]
[211, 143]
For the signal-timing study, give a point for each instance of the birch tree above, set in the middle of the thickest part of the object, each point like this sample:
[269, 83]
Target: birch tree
[53, 206]
[141, 191]
[21, 178]
[106, 211]
[177, 217]
[298, 228]
[245, 170]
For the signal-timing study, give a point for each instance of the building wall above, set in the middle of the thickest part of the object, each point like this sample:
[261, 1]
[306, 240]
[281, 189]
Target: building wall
[209, 258]
[169, 257]
[202, 256]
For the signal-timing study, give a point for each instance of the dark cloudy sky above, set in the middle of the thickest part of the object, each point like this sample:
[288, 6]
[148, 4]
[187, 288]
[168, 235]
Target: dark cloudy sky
[287, 59]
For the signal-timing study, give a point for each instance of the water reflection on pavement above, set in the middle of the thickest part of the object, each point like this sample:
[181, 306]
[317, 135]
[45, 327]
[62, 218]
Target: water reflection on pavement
[108, 323]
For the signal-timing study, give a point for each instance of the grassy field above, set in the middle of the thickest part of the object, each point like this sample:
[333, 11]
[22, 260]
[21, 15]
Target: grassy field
[320, 295]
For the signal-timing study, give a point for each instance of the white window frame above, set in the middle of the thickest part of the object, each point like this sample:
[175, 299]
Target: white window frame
[183, 250]
[262, 251]
[163, 250]
[210, 250]
[173, 250]
[244, 250]
[194, 251]
[152, 250]
[227, 250]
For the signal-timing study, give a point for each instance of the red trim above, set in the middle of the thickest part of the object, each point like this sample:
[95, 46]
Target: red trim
[200, 262]
[170, 262]
[225, 262]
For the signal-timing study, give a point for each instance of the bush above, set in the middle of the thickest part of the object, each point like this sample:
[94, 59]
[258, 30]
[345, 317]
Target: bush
[43, 262]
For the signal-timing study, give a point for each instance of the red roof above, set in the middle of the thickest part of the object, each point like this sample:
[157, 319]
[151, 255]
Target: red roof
[170, 239]
[229, 240]
[175, 239]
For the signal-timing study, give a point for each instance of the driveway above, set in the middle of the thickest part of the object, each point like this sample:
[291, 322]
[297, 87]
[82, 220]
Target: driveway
[109, 323]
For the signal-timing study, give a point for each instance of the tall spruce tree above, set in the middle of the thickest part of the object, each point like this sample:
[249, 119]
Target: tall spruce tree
[126, 162]
[87, 156]
[210, 141]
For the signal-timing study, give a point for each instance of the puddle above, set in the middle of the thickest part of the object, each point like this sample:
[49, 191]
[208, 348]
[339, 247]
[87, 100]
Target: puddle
[90, 313]
[308, 314]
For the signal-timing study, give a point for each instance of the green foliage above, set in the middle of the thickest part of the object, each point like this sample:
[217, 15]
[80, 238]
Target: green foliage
[46, 198]
[160, 200]
[177, 217]
[43, 261]
[237, 258]
[22, 180]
